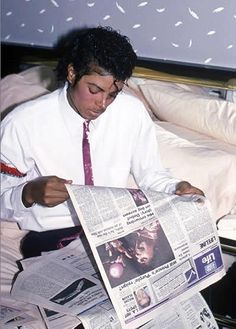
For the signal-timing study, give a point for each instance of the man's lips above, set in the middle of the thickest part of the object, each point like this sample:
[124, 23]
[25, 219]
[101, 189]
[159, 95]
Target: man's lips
[97, 112]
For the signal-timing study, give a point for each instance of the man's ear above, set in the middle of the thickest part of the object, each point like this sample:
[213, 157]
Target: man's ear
[71, 74]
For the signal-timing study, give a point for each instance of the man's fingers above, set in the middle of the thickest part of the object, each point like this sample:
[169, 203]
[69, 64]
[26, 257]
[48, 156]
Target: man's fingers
[184, 187]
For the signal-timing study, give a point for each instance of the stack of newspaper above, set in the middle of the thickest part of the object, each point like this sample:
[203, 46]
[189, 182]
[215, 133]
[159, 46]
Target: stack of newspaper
[144, 260]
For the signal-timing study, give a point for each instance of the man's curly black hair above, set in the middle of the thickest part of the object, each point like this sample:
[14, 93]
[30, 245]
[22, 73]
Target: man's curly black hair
[100, 46]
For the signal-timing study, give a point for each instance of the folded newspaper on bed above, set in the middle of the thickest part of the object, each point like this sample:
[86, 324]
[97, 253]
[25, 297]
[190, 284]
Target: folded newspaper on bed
[153, 250]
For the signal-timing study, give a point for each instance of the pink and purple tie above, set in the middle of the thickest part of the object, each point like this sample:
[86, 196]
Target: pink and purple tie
[88, 173]
[88, 180]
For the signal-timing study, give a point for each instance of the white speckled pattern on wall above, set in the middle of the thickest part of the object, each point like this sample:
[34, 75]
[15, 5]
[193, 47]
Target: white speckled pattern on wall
[197, 32]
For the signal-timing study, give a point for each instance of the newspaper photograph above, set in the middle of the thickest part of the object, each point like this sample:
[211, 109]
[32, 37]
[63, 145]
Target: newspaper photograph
[151, 248]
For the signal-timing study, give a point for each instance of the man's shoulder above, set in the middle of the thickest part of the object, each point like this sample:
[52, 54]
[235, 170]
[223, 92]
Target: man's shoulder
[34, 107]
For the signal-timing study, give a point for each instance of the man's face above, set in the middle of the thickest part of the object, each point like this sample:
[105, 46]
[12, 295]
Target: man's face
[144, 252]
[92, 94]
[142, 297]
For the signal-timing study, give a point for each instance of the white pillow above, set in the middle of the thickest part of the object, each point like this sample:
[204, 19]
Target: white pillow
[31, 83]
[197, 111]
[132, 88]
[206, 163]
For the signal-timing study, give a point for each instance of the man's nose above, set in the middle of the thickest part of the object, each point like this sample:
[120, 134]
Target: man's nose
[102, 101]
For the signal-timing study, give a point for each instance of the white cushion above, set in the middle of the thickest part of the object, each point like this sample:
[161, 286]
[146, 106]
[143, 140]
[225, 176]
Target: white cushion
[205, 162]
[18, 88]
[194, 110]
[132, 88]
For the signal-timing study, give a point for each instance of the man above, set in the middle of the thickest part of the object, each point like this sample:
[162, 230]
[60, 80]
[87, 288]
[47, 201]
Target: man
[142, 297]
[42, 140]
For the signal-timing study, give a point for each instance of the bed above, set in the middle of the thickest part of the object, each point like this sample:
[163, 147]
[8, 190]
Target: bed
[195, 128]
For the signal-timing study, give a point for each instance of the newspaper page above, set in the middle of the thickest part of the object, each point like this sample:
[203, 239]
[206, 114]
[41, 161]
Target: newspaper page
[15, 314]
[11, 317]
[56, 320]
[79, 256]
[52, 284]
[191, 313]
[151, 248]
[52, 319]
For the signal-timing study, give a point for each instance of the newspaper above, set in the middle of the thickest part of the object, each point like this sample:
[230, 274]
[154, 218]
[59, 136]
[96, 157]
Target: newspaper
[15, 314]
[12, 317]
[190, 313]
[56, 320]
[52, 319]
[51, 283]
[153, 250]
[187, 235]
[77, 254]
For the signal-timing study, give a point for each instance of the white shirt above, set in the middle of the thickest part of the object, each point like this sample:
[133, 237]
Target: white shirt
[44, 137]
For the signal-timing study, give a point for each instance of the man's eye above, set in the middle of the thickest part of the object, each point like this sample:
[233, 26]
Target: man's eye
[141, 249]
[94, 90]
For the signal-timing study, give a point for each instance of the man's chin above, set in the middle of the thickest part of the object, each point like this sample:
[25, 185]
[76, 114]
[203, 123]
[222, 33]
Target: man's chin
[94, 115]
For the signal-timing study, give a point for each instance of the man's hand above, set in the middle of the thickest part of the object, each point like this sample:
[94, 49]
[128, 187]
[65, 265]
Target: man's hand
[184, 187]
[48, 191]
